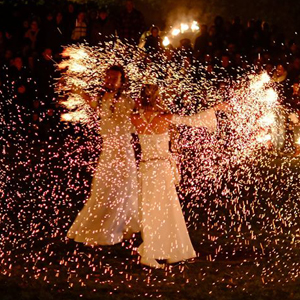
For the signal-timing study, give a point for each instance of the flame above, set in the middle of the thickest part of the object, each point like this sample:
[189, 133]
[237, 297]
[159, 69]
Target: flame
[175, 31]
[184, 27]
[195, 26]
[74, 53]
[166, 41]
[66, 117]
[75, 67]
[73, 102]
[62, 65]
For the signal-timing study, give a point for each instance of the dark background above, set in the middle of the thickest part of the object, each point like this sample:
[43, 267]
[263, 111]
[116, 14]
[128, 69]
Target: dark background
[284, 14]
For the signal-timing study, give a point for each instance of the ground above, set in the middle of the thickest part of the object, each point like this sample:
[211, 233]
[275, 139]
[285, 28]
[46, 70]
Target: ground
[261, 263]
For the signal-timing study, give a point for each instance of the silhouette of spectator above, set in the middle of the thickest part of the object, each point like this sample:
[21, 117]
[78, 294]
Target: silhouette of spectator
[280, 74]
[102, 29]
[8, 58]
[33, 35]
[294, 70]
[266, 36]
[70, 20]
[212, 40]
[220, 32]
[60, 33]
[54, 32]
[235, 31]
[131, 23]
[45, 74]
[79, 32]
[201, 43]
[248, 36]
[20, 91]
[2, 44]
[153, 41]
[11, 41]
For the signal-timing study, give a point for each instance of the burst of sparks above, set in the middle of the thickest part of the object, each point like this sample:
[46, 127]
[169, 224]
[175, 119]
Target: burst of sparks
[229, 191]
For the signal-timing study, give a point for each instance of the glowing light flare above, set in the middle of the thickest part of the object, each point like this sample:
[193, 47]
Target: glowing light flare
[76, 67]
[73, 102]
[195, 26]
[175, 32]
[166, 41]
[63, 65]
[298, 141]
[76, 116]
[74, 53]
[184, 27]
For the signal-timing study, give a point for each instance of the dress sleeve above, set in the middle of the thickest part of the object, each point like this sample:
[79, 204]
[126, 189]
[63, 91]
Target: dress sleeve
[205, 118]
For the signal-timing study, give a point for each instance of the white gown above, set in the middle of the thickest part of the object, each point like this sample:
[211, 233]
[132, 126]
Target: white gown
[111, 212]
[164, 231]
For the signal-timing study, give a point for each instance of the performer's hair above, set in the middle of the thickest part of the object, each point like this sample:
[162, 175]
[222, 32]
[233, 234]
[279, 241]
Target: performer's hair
[149, 95]
[153, 27]
[120, 69]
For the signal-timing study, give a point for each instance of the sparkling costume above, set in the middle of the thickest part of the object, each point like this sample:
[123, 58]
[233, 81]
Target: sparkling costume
[164, 231]
[111, 212]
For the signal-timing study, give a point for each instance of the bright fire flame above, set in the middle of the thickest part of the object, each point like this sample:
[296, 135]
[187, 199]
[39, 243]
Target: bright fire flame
[175, 31]
[195, 26]
[166, 41]
[75, 67]
[184, 27]
[66, 117]
[76, 54]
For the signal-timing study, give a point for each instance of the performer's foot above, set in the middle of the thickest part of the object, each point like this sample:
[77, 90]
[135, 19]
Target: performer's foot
[151, 262]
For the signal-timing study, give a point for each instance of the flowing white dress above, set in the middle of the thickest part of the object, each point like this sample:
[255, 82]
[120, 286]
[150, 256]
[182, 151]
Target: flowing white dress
[111, 212]
[163, 227]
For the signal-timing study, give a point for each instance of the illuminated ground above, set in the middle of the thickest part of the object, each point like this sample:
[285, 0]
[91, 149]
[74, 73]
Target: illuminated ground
[262, 263]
